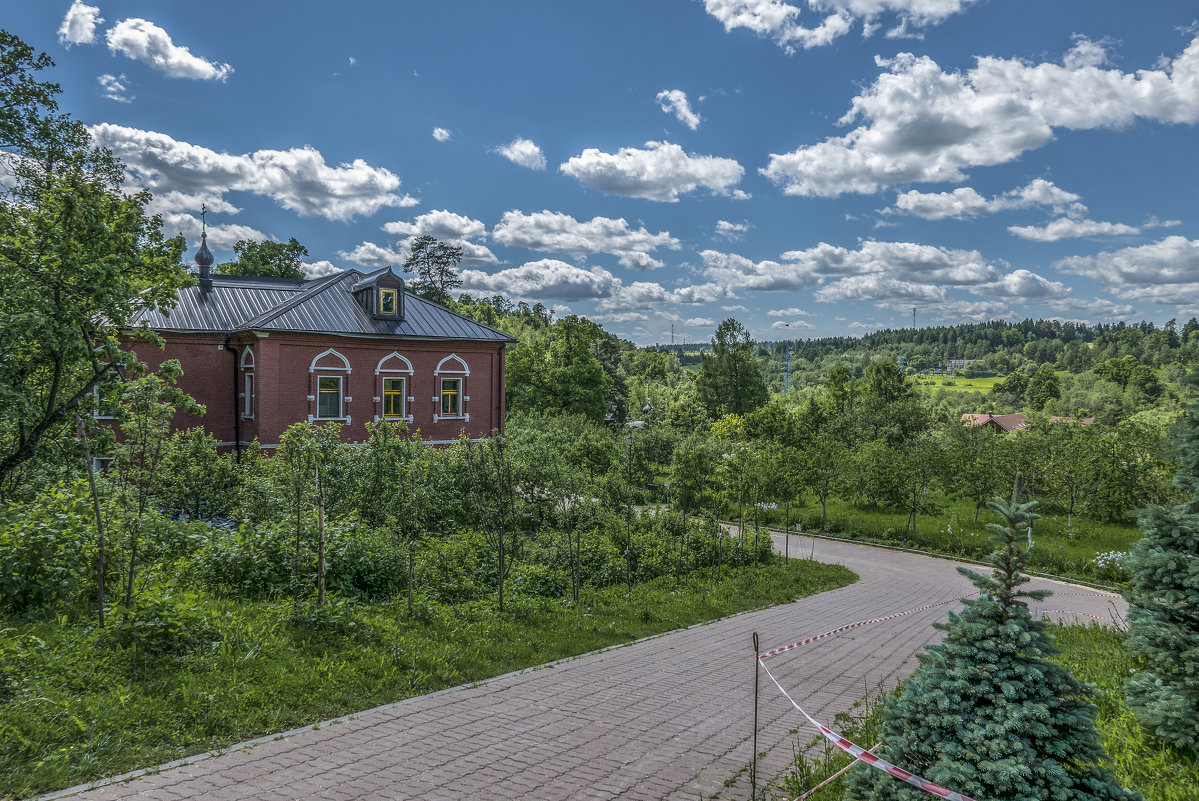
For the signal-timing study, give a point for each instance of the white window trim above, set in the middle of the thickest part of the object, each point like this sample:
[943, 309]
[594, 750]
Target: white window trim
[96, 411]
[247, 358]
[379, 368]
[441, 368]
[312, 368]
[462, 398]
[248, 398]
[404, 398]
[341, 400]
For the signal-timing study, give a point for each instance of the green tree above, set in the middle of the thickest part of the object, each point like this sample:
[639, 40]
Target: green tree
[1163, 605]
[987, 713]
[79, 262]
[730, 378]
[436, 267]
[266, 259]
[1043, 387]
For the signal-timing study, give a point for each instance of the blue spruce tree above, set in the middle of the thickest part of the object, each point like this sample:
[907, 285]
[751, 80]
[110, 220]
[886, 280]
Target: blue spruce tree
[986, 713]
[1163, 614]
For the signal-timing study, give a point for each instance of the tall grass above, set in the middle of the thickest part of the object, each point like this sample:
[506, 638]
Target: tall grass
[76, 705]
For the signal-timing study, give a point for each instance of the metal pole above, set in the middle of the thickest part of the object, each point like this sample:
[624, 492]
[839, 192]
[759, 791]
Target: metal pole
[91, 480]
[628, 548]
[753, 772]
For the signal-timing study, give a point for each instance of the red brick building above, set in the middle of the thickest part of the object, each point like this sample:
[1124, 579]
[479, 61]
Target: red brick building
[263, 353]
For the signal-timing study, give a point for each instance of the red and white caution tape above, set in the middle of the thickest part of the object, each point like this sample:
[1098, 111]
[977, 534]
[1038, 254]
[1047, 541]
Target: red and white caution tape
[782, 649]
[1108, 619]
[832, 778]
[863, 755]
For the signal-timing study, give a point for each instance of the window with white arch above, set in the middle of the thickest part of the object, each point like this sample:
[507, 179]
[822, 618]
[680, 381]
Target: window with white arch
[450, 379]
[249, 391]
[330, 375]
[393, 376]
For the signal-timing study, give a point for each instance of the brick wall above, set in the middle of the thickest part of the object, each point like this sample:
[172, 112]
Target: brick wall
[286, 383]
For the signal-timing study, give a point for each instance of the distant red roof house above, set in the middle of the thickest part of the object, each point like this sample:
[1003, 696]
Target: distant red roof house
[1000, 422]
[354, 348]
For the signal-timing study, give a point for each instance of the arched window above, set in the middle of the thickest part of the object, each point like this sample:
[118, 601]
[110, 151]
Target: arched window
[450, 377]
[249, 390]
[394, 373]
[329, 385]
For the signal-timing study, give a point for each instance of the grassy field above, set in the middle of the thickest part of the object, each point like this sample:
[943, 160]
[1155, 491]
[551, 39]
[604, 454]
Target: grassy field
[1094, 654]
[78, 706]
[953, 532]
[932, 383]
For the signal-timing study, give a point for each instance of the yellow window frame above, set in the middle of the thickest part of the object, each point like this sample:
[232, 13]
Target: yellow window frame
[332, 389]
[393, 399]
[451, 397]
[384, 296]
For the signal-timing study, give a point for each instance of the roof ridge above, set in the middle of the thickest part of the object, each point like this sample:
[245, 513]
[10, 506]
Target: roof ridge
[318, 286]
[458, 315]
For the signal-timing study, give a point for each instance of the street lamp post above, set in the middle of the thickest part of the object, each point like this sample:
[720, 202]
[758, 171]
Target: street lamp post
[628, 548]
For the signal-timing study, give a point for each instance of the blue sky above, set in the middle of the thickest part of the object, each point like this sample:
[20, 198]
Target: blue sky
[811, 168]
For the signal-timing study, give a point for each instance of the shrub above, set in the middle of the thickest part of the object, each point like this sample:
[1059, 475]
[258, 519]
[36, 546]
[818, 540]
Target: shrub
[249, 562]
[44, 555]
[160, 620]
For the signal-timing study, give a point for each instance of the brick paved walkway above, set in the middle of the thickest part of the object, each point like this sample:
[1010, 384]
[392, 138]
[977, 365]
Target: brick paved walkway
[668, 718]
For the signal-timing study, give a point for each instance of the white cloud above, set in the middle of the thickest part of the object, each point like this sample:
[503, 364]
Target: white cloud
[902, 260]
[473, 253]
[319, 269]
[784, 324]
[442, 224]
[1067, 228]
[966, 202]
[1023, 284]
[353, 61]
[792, 312]
[877, 287]
[921, 124]
[740, 273]
[142, 40]
[1093, 308]
[674, 101]
[1166, 271]
[79, 24]
[545, 278]
[441, 134]
[368, 254]
[779, 20]
[699, 322]
[620, 317]
[113, 87]
[524, 152]
[965, 310]
[555, 232]
[736, 307]
[662, 172]
[298, 179]
[730, 230]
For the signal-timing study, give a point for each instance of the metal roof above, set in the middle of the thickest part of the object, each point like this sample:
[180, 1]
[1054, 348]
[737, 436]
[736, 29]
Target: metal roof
[325, 305]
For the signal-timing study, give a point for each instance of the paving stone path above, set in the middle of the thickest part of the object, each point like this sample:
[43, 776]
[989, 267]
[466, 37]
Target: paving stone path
[666, 718]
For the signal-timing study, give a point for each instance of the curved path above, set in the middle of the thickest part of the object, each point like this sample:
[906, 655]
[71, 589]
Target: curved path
[665, 718]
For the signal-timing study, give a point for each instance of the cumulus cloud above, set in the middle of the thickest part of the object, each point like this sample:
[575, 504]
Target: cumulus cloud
[113, 87]
[442, 224]
[79, 24]
[780, 20]
[441, 134]
[966, 202]
[368, 254]
[555, 232]
[970, 311]
[738, 272]
[1023, 284]
[792, 312]
[781, 325]
[1166, 271]
[730, 230]
[1068, 228]
[319, 269]
[142, 40]
[545, 278]
[877, 287]
[699, 322]
[674, 101]
[900, 260]
[661, 171]
[298, 179]
[524, 152]
[922, 124]
[1093, 308]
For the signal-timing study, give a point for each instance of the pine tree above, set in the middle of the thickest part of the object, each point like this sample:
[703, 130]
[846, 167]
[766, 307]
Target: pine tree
[986, 713]
[1163, 614]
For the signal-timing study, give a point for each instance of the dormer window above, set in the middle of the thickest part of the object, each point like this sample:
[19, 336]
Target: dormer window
[387, 301]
